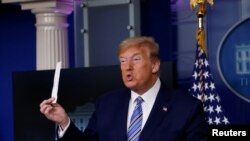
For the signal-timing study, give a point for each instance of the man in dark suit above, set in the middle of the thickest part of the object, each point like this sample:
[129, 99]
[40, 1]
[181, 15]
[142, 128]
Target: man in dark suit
[145, 111]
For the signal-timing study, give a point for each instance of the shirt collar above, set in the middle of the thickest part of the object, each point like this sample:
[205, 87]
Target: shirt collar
[150, 95]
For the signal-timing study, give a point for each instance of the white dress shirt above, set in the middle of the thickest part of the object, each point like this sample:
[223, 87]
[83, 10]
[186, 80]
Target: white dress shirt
[147, 104]
[61, 131]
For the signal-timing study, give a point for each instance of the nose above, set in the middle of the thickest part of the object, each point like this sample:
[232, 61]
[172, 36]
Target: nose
[129, 65]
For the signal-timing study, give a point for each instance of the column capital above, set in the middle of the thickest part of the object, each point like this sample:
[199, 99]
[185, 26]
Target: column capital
[61, 6]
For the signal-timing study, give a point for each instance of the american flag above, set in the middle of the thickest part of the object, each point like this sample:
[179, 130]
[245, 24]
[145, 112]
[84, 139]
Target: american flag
[203, 88]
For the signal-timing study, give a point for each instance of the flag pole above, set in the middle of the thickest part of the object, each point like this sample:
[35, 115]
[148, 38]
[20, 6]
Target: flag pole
[201, 12]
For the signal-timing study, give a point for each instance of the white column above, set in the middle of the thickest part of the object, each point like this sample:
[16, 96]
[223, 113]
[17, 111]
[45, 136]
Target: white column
[51, 26]
[52, 38]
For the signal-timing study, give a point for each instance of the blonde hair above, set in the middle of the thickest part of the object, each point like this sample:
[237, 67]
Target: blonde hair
[147, 42]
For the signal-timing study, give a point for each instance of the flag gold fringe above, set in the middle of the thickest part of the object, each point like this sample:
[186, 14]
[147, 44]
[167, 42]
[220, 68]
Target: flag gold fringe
[200, 37]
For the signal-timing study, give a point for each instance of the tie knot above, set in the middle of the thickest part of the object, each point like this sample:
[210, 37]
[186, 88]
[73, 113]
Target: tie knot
[138, 100]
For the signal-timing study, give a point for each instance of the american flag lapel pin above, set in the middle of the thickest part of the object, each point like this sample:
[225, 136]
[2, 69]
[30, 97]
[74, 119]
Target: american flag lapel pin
[164, 108]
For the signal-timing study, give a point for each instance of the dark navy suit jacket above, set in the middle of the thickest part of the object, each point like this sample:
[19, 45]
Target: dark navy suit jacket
[175, 116]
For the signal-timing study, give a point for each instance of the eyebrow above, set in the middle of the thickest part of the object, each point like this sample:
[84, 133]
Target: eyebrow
[136, 54]
[131, 56]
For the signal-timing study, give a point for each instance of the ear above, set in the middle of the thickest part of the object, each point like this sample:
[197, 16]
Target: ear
[156, 66]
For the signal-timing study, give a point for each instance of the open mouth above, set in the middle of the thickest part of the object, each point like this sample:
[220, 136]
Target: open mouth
[129, 77]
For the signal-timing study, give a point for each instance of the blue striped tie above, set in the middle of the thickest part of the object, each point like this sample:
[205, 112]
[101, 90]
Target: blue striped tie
[135, 126]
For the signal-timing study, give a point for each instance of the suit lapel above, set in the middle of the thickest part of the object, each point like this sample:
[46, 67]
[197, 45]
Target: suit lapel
[157, 114]
[122, 115]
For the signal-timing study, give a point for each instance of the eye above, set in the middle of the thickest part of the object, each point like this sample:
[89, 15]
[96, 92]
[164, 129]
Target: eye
[137, 58]
[122, 60]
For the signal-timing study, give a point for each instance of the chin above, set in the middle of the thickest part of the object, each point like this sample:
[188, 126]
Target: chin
[130, 85]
